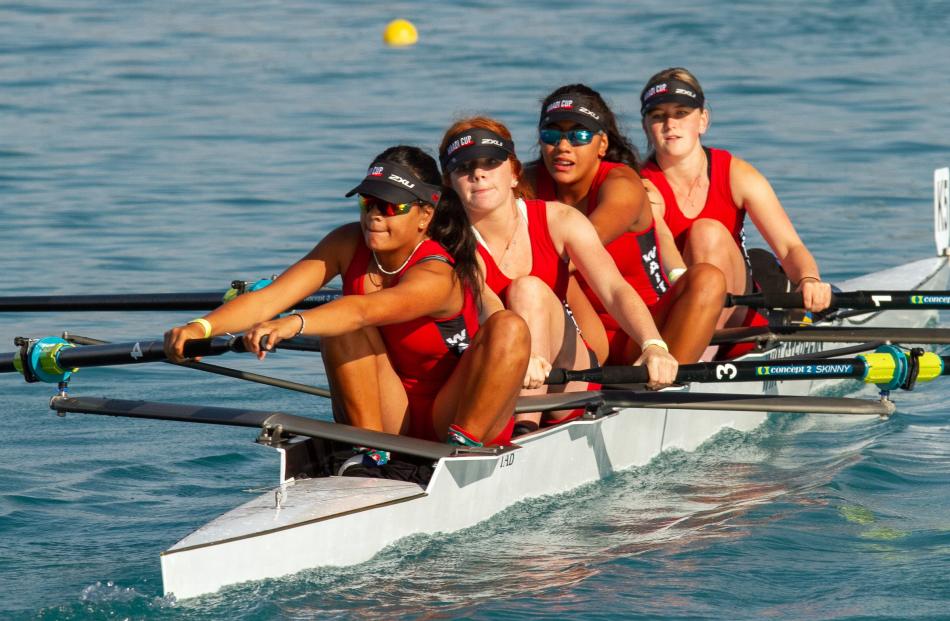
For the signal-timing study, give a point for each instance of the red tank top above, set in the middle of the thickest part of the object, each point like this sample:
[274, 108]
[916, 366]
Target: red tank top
[546, 263]
[423, 351]
[637, 255]
[719, 204]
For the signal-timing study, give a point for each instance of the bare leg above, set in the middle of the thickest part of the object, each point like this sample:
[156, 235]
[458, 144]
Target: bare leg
[710, 242]
[481, 393]
[552, 335]
[367, 393]
[689, 322]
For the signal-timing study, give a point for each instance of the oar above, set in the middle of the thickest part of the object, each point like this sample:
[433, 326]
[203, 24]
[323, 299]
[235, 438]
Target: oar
[200, 300]
[831, 334]
[225, 371]
[679, 400]
[866, 300]
[888, 367]
[53, 359]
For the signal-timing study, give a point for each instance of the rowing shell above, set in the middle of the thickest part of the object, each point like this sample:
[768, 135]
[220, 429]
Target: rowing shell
[339, 521]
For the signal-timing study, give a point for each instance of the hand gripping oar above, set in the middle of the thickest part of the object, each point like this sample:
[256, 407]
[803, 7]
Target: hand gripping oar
[888, 367]
[863, 300]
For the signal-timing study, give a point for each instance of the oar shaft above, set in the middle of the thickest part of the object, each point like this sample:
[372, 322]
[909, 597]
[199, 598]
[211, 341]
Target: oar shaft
[869, 300]
[144, 351]
[872, 368]
[56, 358]
[195, 301]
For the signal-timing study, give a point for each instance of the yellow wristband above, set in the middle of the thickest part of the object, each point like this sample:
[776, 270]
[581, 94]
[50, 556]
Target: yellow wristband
[675, 274]
[204, 323]
[658, 342]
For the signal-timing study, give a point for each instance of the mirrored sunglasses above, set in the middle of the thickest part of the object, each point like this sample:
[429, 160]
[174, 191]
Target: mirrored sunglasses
[387, 209]
[577, 137]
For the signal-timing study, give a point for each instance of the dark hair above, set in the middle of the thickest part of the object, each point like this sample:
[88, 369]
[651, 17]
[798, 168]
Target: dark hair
[449, 225]
[619, 147]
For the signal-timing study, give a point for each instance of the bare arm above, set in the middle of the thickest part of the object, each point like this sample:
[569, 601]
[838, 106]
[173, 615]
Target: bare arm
[753, 192]
[622, 205]
[580, 242]
[302, 278]
[430, 286]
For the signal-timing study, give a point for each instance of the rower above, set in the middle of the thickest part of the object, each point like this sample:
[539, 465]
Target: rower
[524, 249]
[403, 349]
[586, 162]
[703, 195]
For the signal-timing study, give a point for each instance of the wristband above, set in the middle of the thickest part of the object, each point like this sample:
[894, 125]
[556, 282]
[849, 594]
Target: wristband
[658, 342]
[303, 322]
[675, 274]
[804, 278]
[204, 323]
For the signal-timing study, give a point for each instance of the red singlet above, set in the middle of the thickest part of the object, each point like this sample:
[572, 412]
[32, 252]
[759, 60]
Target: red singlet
[423, 351]
[546, 263]
[719, 204]
[637, 256]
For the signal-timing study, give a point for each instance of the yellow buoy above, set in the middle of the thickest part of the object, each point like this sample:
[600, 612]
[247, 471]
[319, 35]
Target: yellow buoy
[400, 33]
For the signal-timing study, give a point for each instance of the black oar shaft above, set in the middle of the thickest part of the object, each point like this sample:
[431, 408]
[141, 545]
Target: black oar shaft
[195, 301]
[144, 351]
[869, 300]
[130, 353]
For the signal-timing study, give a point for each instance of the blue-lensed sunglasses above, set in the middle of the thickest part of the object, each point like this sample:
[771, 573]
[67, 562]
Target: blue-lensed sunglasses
[577, 137]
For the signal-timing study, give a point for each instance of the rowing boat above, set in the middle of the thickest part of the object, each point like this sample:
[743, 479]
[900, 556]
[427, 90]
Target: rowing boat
[310, 519]
[309, 522]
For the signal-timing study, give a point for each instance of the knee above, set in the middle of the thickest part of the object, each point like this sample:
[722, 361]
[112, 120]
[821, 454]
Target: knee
[505, 333]
[706, 280]
[707, 235]
[528, 293]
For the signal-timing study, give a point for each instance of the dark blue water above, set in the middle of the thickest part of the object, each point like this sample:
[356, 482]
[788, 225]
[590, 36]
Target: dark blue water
[176, 146]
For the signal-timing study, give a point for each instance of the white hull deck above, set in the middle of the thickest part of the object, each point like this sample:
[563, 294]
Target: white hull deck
[339, 521]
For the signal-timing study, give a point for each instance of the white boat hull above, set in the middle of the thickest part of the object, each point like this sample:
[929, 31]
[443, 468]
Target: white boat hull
[340, 521]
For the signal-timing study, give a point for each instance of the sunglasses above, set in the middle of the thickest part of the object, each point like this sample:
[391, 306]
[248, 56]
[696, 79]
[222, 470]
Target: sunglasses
[387, 209]
[577, 137]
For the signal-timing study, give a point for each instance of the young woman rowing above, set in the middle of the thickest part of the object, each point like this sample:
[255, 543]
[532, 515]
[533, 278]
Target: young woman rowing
[524, 250]
[402, 348]
[703, 194]
[587, 163]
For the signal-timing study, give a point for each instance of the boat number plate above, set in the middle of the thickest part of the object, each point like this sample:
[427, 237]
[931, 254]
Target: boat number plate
[506, 460]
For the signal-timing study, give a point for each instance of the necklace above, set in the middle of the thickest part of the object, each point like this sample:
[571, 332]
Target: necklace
[511, 237]
[401, 267]
[695, 184]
